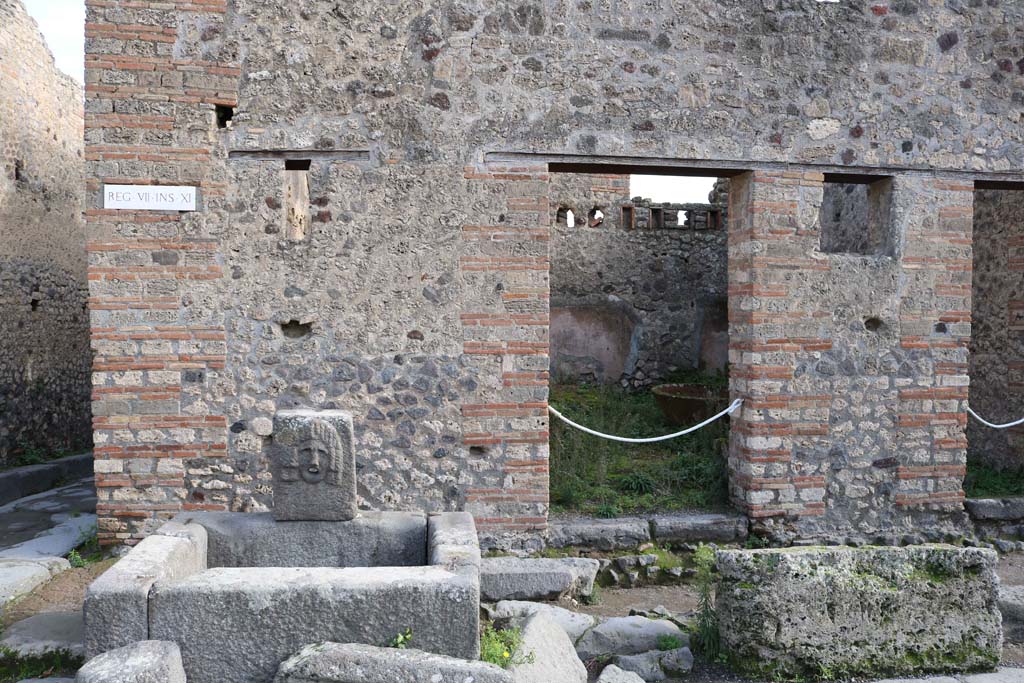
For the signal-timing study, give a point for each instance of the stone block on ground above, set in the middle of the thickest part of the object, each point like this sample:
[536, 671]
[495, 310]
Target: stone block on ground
[117, 603]
[622, 533]
[546, 654]
[452, 542]
[716, 527]
[858, 611]
[510, 578]
[350, 663]
[574, 624]
[237, 625]
[147, 661]
[627, 636]
[45, 632]
[613, 674]
[1011, 605]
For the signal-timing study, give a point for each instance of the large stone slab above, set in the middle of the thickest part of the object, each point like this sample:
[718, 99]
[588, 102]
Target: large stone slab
[511, 578]
[237, 625]
[546, 654]
[623, 533]
[46, 632]
[393, 539]
[117, 603]
[142, 662]
[1011, 605]
[627, 636]
[350, 663]
[859, 611]
[707, 527]
[574, 624]
[314, 466]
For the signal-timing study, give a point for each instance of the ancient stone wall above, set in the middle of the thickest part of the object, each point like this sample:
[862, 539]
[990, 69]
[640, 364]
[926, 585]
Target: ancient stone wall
[639, 296]
[997, 345]
[44, 323]
[412, 287]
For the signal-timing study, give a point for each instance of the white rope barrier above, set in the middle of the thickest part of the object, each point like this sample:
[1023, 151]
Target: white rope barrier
[728, 411]
[985, 422]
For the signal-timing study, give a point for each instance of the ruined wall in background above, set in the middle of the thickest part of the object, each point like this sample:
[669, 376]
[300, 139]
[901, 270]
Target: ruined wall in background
[44, 324]
[997, 345]
[632, 302]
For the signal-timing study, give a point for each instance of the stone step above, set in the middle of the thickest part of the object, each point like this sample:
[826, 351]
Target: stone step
[46, 632]
[511, 578]
[21, 577]
[624, 533]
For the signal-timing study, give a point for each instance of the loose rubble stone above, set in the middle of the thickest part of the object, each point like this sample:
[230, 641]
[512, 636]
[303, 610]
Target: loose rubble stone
[626, 636]
[147, 661]
[548, 652]
[601, 534]
[677, 662]
[46, 632]
[646, 665]
[350, 663]
[574, 624]
[613, 674]
[907, 610]
[509, 578]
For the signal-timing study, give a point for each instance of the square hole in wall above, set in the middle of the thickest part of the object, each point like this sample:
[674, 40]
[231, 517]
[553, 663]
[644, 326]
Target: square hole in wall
[856, 215]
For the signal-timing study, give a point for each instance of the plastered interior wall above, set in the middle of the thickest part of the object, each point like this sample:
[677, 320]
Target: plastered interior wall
[632, 305]
[423, 269]
[44, 325]
[997, 345]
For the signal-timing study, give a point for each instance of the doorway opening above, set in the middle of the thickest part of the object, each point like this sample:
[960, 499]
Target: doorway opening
[639, 304]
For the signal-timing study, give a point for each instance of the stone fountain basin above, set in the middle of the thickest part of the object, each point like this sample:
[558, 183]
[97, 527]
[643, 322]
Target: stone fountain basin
[240, 593]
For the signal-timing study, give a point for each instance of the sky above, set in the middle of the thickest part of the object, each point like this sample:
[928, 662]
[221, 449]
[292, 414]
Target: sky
[674, 189]
[63, 25]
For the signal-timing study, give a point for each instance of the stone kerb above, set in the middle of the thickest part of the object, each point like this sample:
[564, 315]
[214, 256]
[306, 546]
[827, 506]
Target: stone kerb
[859, 611]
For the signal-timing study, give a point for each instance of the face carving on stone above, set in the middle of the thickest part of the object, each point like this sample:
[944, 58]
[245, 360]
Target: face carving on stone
[316, 459]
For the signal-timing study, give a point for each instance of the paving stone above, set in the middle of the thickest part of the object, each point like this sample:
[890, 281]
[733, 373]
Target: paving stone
[351, 663]
[574, 624]
[46, 632]
[510, 578]
[148, 661]
[1000, 676]
[627, 636]
[20, 577]
[550, 653]
[613, 674]
[622, 533]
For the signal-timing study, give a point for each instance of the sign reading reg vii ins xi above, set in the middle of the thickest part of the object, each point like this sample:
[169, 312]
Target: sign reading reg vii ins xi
[149, 197]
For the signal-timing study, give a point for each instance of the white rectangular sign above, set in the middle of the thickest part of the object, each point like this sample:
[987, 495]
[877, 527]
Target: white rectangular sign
[149, 197]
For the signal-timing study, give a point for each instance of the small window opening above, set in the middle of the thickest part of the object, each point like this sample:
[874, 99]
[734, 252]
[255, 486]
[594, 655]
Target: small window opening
[34, 305]
[477, 450]
[293, 329]
[297, 216]
[562, 217]
[856, 216]
[680, 218]
[657, 219]
[628, 218]
[873, 324]
[225, 114]
[297, 164]
[596, 217]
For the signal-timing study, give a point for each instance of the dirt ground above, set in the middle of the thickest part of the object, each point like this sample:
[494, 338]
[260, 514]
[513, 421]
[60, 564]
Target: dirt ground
[65, 593]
